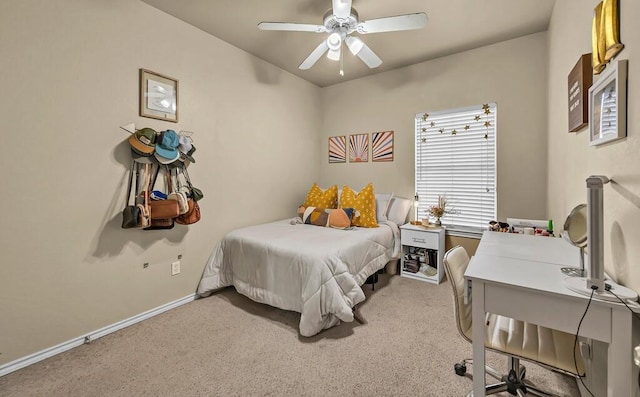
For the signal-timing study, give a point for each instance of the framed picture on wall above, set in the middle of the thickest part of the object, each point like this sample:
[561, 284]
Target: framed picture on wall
[337, 149]
[608, 105]
[382, 146]
[359, 148]
[158, 96]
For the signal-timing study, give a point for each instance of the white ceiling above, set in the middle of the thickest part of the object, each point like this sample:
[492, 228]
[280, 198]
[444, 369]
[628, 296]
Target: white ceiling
[453, 26]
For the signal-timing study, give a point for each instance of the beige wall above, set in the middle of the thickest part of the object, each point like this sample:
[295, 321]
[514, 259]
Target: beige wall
[511, 73]
[69, 80]
[572, 160]
[469, 244]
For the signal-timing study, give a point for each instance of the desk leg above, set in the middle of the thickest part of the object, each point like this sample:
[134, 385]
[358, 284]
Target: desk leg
[479, 329]
[620, 379]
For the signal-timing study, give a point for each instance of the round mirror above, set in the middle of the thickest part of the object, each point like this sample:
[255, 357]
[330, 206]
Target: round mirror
[575, 227]
[575, 232]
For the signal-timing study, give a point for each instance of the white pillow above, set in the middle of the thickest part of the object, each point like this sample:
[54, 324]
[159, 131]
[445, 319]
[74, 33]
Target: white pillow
[382, 205]
[399, 208]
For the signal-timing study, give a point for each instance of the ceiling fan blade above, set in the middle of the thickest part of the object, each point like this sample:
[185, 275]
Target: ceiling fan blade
[369, 57]
[314, 56]
[391, 24]
[292, 27]
[341, 8]
[354, 44]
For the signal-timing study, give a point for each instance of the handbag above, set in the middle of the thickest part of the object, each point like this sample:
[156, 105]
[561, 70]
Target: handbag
[196, 193]
[131, 213]
[159, 224]
[178, 194]
[163, 209]
[192, 215]
[162, 212]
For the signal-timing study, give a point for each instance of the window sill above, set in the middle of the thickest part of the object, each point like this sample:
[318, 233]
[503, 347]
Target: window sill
[464, 231]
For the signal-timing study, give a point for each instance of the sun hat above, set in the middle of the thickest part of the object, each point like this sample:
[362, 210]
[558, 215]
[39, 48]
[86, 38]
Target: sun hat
[167, 147]
[143, 141]
[188, 155]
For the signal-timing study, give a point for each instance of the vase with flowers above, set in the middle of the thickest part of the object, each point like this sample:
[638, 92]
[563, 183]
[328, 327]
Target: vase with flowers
[439, 210]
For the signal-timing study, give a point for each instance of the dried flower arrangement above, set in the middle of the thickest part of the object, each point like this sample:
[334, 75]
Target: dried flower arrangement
[439, 210]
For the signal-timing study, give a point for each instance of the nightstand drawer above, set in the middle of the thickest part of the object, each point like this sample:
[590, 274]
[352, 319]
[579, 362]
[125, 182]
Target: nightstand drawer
[419, 239]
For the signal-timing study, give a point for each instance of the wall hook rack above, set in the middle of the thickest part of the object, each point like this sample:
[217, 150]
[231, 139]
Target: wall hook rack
[130, 128]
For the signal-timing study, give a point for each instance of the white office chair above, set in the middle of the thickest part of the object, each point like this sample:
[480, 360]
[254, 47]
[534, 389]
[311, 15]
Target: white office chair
[516, 339]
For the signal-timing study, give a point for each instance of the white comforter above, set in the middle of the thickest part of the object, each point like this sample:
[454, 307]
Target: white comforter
[316, 271]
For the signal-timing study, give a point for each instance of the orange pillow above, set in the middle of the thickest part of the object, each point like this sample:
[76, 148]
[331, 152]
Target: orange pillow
[364, 203]
[322, 198]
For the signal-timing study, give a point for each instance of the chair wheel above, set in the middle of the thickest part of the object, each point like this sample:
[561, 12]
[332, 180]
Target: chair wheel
[523, 372]
[460, 369]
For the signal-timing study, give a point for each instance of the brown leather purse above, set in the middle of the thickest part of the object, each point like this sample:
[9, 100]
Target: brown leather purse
[192, 215]
[162, 212]
[164, 209]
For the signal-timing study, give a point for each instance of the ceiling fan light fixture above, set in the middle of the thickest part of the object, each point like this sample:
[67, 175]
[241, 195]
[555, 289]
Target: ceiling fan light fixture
[334, 55]
[354, 44]
[334, 40]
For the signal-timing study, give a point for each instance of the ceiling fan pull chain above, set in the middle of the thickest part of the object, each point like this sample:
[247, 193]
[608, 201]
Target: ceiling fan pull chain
[341, 59]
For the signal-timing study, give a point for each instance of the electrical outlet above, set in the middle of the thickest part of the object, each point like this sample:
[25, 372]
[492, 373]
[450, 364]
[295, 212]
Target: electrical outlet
[175, 268]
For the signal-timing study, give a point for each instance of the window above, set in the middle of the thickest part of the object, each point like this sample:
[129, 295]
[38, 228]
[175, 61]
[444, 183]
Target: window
[456, 157]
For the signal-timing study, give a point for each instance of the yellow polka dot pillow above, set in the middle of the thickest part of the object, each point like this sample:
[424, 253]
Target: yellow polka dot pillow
[364, 203]
[322, 198]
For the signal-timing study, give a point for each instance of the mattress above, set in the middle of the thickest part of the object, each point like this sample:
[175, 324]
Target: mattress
[316, 271]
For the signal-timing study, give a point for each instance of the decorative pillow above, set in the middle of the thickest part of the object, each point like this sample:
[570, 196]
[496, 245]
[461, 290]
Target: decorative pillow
[399, 208]
[322, 198]
[335, 218]
[364, 204]
[382, 205]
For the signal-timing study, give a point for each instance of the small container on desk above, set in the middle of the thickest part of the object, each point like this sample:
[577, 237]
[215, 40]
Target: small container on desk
[422, 252]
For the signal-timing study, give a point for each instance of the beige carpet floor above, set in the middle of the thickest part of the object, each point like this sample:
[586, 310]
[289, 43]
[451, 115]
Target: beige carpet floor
[228, 345]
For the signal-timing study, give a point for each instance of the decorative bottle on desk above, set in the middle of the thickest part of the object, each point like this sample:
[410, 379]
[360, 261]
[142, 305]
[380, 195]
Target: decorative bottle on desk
[550, 227]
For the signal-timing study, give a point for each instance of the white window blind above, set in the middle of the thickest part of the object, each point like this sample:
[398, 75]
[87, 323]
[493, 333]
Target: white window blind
[456, 157]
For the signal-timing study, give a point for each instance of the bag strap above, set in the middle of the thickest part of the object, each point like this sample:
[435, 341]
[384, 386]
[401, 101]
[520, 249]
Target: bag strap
[145, 192]
[179, 170]
[153, 183]
[167, 174]
[186, 176]
[126, 201]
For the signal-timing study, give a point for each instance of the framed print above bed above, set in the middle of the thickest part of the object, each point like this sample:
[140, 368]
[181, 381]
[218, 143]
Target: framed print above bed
[359, 148]
[608, 105]
[382, 146]
[158, 96]
[337, 149]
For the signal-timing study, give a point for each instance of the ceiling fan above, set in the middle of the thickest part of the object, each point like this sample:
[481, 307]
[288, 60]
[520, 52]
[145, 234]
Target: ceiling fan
[340, 22]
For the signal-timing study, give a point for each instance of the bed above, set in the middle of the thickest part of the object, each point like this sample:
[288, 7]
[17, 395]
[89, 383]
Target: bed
[316, 271]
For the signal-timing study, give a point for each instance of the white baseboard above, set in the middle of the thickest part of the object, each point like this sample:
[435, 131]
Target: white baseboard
[91, 336]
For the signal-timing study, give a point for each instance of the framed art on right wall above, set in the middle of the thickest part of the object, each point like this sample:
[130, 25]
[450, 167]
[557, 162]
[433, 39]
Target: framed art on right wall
[608, 105]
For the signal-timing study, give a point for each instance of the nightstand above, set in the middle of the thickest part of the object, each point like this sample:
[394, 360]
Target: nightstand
[422, 252]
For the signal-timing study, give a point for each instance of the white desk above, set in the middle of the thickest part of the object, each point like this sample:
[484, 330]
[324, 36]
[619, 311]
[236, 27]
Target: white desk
[510, 279]
[534, 248]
